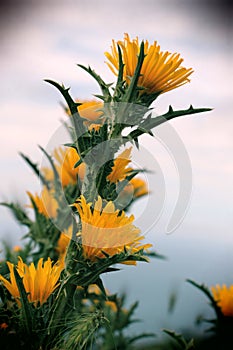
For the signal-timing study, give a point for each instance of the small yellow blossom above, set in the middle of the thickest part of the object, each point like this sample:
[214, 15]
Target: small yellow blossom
[38, 282]
[106, 229]
[3, 325]
[17, 248]
[139, 187]
[136, 187]
[223, 295]
[63, 242]
[120, 169]
[46, 203]
[90, 110]
[160, 72]
[64, 160]
[94, 127]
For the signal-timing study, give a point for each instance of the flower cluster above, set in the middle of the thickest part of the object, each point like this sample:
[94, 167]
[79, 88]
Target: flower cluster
[82, 227]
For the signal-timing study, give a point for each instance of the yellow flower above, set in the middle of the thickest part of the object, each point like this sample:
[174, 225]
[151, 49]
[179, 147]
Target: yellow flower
[3, 325]
[95, 127]
[46, 203]
[39, 283]
[90, 110]
[65, 159]
[160, 72]
[106, 229]
[224, 298]
[120, 170]
[63, 242]
[136, 187]
[17, 248]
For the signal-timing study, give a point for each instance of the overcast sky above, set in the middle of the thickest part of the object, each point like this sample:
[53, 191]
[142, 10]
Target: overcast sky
[47, 40]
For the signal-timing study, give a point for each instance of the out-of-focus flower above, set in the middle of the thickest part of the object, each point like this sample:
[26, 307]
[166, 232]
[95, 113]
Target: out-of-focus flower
[106, 229]
[223, 295]
[46, 203]
[17, 248]
[160, 72]
[39, 282]
[3, 325]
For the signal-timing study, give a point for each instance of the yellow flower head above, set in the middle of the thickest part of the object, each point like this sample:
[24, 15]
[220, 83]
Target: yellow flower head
[224, 298]
[38, 282]
[46, 203]
[136, 186]
[66, 159]
[106, 229]
[63, 242]
[160, 72]
[17, 248]
[139, 187]
[120, 169]
[90, 110]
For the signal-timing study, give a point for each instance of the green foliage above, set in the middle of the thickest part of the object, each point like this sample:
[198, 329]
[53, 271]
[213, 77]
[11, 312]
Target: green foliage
[180, 341]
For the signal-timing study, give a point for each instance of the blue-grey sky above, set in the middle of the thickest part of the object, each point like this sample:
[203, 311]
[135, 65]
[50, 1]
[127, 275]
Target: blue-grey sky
[47, 41]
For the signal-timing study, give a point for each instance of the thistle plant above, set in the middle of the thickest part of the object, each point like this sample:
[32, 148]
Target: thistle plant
[220, 326]
[81, 227]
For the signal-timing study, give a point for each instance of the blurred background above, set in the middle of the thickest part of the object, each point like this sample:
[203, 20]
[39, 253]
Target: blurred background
[42, 40]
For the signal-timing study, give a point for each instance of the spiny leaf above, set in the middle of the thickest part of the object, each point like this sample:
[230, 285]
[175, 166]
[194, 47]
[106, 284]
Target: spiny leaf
[180, 340]
[151, 123]
[19, 213]
[206, 291]
[35, 168]
[141, 336]
[73, 107]
[104, 87]
[65, 93]
[99, 283]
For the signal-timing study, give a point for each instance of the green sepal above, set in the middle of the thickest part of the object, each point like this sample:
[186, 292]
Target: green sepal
[119, 88]
[35, 168]
[26, 306]
[132, 90]
[78, 163]
[104, 87]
